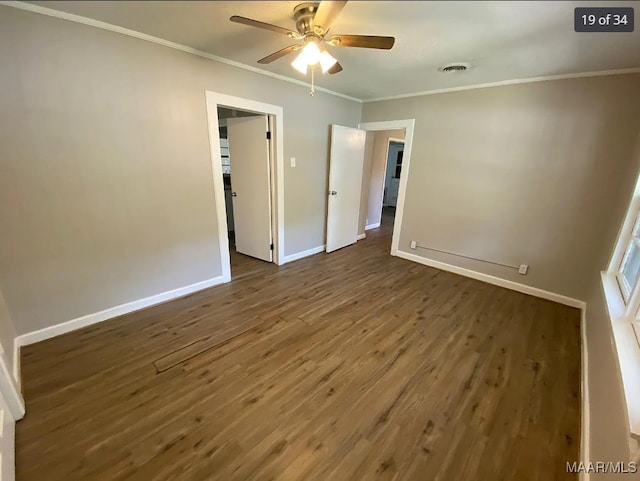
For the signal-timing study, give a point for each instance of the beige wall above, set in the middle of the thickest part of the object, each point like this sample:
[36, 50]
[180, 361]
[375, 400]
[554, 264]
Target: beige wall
[106, 194]
[520, 174]
[373, 175]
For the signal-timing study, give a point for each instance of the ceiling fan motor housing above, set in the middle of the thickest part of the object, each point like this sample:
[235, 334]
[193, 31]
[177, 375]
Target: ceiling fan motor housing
[303, 15]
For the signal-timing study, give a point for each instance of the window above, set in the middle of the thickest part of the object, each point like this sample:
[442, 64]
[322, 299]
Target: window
[629, 268]
[621, 285]
[624, 266]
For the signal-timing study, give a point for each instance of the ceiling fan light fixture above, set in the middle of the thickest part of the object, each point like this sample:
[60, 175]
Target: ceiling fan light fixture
[300, 64]
[311, 53]
[327, 61]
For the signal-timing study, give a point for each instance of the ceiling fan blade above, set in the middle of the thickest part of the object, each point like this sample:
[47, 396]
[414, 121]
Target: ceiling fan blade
[335, 69]
[279, 54]
[266, 26]
[362, 41]
[327, 12]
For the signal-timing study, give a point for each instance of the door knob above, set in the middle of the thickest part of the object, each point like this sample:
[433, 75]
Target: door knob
[233, 194]
[333, 192]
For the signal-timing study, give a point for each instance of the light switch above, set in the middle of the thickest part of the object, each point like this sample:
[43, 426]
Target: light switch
[293, 161]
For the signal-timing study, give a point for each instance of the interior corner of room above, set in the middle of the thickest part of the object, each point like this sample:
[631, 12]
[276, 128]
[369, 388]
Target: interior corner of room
[216, 264]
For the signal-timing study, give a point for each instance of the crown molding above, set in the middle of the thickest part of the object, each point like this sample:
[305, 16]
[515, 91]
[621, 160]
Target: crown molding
[166, 43]
[502, 83]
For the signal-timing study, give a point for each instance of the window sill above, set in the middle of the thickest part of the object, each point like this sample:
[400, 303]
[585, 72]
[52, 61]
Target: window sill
[628, 352]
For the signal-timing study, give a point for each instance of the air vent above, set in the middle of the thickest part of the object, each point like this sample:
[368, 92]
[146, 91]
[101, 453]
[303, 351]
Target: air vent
[455, 67]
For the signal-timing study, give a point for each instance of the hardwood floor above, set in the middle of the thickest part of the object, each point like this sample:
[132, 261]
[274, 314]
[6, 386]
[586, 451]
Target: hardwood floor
[361, 366]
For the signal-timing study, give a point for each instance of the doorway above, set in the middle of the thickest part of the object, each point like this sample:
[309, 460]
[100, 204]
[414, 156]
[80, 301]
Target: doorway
[246, 172]
[245, 139]
[385, 177]
[350, 178]
[385, 210]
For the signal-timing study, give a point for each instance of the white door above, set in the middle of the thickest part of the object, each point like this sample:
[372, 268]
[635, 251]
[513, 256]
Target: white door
[345, 183]
[250, 185]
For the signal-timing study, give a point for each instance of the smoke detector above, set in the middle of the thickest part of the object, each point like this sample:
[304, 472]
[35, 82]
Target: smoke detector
[455, 67]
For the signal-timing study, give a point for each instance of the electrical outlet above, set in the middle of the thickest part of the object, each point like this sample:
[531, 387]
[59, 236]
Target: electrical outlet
[523, 269]
[293, 161]
[414, 244]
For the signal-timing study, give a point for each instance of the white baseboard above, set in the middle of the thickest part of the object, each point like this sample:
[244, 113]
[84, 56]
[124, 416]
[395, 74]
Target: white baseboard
[300, 255]
[372, 226]
[514, 286]
[89, 319]
[584, 388]
[361, 236]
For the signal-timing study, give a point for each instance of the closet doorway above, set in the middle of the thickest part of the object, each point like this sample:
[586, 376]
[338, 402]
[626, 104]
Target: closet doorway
[247, 173]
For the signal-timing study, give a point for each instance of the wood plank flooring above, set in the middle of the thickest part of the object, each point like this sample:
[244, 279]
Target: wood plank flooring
[361, 366]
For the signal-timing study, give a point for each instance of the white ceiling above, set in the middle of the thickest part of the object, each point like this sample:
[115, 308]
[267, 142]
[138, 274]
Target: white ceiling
[502, 40]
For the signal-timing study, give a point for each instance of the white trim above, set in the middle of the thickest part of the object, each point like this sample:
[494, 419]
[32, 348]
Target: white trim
[626, 349]
[372, 226]
[408, 125]
[300, 255]
[361, 236]
[514, 286]
[584, 387]
[274, 187]
[166, 43]
[218, 188]
[16, 408]
[502, 83]
[16, 363]
[625, 231]
[90, 319]
[213, 100]
[11, 391]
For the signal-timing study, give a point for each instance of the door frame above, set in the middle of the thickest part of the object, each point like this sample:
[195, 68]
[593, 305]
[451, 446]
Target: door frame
[386, 164]
[10, 389]
[276, 168]
[408, 125]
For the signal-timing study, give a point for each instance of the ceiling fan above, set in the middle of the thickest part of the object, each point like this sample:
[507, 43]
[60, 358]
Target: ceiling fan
[313, 21]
